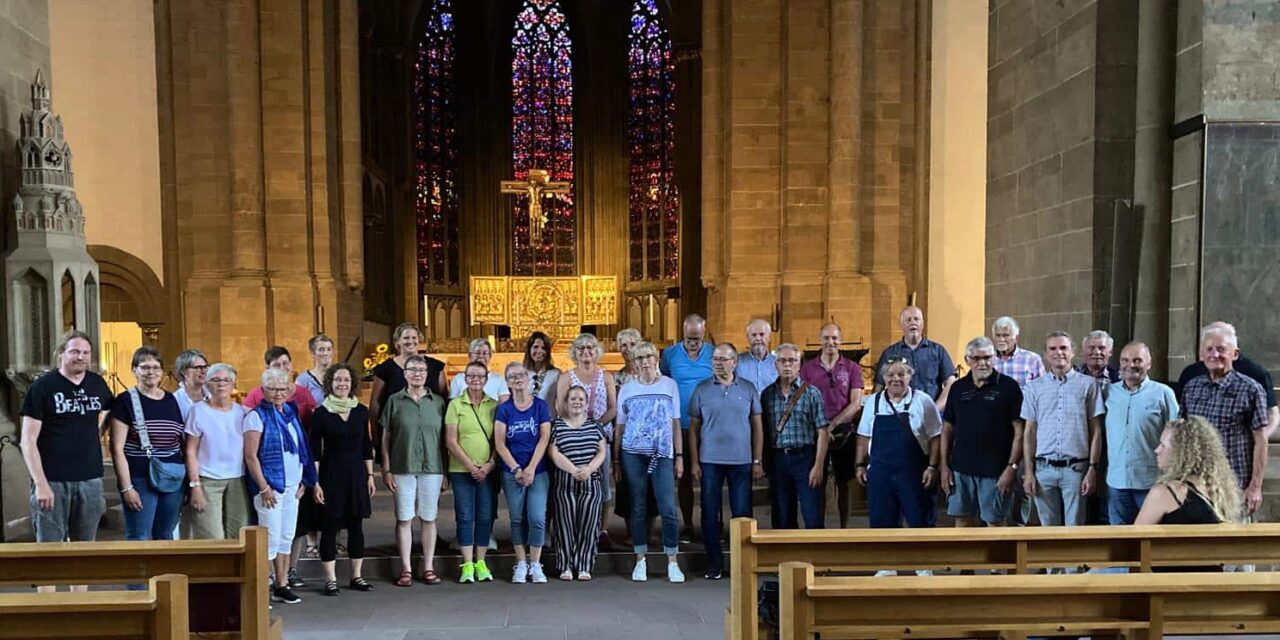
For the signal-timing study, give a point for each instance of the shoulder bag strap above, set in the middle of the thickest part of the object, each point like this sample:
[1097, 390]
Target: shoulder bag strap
[139, 421]
[791, 406]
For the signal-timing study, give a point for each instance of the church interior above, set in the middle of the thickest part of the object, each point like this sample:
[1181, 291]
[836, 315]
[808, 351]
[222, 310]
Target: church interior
[254, 172]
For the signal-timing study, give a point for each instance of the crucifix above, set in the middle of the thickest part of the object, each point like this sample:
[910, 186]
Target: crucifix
[538, 184]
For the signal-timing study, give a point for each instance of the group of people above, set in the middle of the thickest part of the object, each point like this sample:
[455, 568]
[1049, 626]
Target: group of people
[570, 449]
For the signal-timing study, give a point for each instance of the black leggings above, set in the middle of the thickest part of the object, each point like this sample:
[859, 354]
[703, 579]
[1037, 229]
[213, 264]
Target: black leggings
[329, 538]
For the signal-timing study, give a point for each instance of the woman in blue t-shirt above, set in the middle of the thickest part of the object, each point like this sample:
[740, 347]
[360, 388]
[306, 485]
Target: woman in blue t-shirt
[151, 511]
[522, 428]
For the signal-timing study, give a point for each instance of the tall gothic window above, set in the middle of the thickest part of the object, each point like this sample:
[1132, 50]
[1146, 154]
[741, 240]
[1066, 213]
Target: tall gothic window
[435, 148]
[654, 199]
[542, 133]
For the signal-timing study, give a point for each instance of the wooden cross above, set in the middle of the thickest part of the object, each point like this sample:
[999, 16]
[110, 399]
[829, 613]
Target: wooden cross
[538, 184]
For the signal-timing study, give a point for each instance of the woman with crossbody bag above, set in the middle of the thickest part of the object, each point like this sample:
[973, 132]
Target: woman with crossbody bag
[146, 448]
[468, 424]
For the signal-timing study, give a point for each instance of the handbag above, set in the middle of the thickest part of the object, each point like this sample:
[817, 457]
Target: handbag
[165, 477]
[767, 605]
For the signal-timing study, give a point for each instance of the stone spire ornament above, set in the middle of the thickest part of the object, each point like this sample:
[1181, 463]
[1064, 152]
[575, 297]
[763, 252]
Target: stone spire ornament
[52, 281]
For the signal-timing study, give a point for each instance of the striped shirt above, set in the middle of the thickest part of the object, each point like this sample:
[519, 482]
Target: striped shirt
[1021, 365]
[578, 444]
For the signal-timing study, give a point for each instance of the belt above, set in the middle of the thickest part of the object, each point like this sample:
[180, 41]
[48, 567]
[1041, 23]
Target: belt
[791, 450]
[1061, 462]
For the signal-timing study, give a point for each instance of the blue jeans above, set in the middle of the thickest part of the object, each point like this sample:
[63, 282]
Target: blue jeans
[713, 480]
[472, 504]
[663, 480]
[789, 481]
[528, 509]
[1123, 505]
[159, 513]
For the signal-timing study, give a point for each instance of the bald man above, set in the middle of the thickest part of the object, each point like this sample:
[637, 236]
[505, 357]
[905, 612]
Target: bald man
[935, 370]
[839, 380]
[688, 362]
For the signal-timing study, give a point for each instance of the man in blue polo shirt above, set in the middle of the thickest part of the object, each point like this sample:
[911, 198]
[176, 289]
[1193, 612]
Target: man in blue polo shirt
[688, 362]
[1137, 410]
[981, 442]
[934, 369]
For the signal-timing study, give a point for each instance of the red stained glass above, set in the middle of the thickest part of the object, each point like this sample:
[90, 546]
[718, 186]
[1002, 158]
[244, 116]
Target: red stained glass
[435, 149]
[654, 201]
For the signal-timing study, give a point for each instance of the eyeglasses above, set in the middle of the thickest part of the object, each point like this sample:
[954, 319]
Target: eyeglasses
[649, 356]
[788, 360]
[220, 381]
[150, 367]
[199, 367]
[417, 370]
[477, 377]
[278, 390]
[517, 376]
[982, 358]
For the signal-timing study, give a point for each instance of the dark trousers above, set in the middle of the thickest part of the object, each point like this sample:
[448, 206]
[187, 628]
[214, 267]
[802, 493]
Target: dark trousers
[714, 477]
[789, 482]
[329, 538]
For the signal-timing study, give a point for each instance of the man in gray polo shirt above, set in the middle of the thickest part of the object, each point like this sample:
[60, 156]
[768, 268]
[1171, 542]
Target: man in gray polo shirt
[1063, 437]
[725, 443]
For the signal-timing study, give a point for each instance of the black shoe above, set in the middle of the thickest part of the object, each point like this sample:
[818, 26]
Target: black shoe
[285, 595]
[294, 580]
[713, 573]
[360, 584]
[331, 589]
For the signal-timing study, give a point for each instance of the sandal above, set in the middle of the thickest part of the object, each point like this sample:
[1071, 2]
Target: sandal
[331, 588]
[405, 579]
[341, 550]
[312, 551]
[430, 577]
[360, 584]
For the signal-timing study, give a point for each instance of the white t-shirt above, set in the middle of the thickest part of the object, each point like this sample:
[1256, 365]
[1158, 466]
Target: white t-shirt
[221, 451]
[495, 386]
[926, 423]
[292, 461]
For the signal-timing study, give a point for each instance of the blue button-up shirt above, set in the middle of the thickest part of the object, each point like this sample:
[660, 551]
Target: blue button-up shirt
[760, 372]
[1134, 420]
[687, 373]
[930, 360]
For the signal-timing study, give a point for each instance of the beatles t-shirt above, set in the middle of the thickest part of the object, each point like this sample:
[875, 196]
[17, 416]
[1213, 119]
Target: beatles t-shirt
[68, 413]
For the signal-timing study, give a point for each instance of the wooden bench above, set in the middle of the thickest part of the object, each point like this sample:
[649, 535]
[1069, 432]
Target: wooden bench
[240, 562]
[1139, 605]
[1014, 549]
[157, 614]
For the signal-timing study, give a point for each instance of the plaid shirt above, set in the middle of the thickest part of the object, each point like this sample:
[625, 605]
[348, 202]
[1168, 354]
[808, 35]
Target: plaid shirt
[804, 423]
[1022, 365]
[1237, 406]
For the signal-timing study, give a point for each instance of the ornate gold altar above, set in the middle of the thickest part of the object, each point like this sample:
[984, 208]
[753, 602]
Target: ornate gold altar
[558, 306]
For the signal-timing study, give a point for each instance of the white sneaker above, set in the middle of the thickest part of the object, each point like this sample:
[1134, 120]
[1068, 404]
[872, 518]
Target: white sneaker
[924, 573]
[493, 543]
[536, 575]
[521, 573]
[885, 572]
[674, 574]
[641, 572]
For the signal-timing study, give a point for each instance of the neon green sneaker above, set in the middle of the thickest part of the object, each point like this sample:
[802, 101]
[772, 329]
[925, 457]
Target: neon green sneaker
[468, 573]
[482, 572]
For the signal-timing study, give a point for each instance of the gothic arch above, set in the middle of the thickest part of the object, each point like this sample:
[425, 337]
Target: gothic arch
[122, 271]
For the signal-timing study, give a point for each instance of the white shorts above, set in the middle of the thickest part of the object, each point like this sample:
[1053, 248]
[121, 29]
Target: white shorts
[421, 490]
[281, 520]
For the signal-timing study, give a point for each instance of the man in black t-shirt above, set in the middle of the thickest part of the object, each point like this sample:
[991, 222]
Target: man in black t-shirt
[1244, 366]
[62, 417]
[981, 440]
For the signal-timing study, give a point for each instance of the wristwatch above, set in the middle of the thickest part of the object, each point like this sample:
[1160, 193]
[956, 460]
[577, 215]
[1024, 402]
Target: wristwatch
[1013, 465]
[756, 461]
[193, 484]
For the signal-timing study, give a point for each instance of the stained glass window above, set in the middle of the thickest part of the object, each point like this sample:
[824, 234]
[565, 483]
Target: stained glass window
[542, 133]
[654, 199]
[435, 148]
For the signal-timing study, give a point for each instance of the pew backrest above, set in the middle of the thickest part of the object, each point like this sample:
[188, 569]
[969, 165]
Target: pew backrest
[160, 613]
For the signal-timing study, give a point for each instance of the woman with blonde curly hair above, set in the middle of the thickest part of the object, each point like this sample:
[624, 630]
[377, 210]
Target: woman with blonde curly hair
[1196, 483]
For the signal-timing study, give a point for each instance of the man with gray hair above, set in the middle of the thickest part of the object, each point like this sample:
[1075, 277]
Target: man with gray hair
[981, 442]
[795, 435]
[1011, 360]
[1097, 347]
[757, 365]
[1236, 405]
[1062, 442]
[1245, 367]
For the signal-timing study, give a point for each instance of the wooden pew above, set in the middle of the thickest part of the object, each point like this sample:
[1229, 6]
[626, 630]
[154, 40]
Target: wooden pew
[241, 562]
[157, 614]
[1014, 549]
[1140, 605]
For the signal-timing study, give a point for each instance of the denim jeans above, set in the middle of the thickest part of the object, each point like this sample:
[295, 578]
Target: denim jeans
[663, 479]
[528, 509]
[472, 504]
[1123, 505]
[1059, 501]
[713, 480]
[159, 515]
[788, 482]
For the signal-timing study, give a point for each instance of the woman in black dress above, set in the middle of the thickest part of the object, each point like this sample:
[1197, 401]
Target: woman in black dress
[344, 452]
